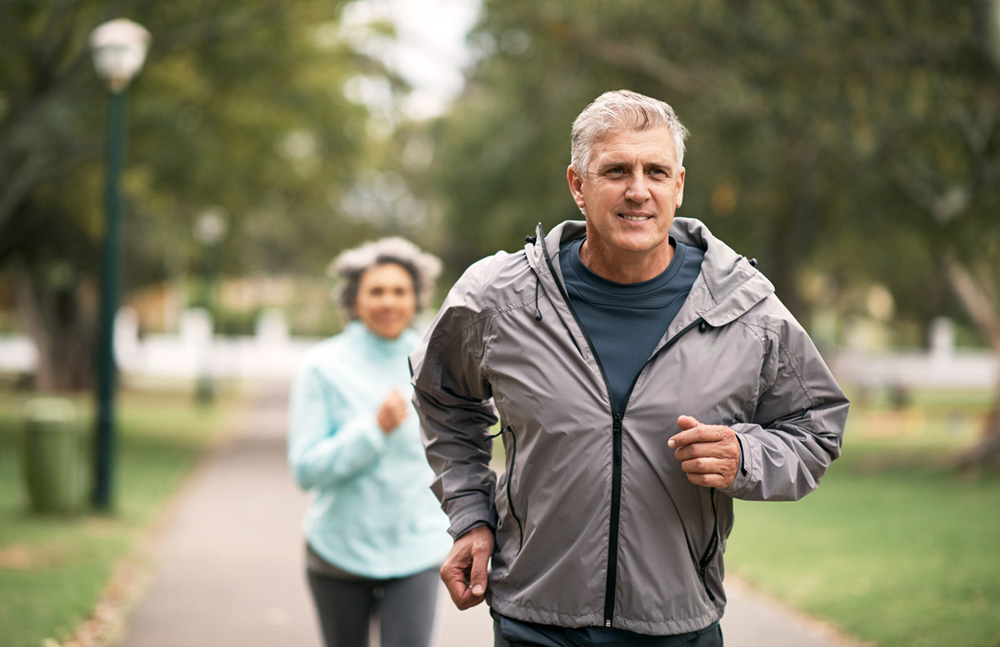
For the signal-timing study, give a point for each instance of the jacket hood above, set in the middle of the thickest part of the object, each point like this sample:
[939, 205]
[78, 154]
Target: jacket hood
[729, 284]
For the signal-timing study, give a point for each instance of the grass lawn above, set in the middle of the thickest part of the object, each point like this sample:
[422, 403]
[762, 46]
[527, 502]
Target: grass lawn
[53, 570]
[894, 547]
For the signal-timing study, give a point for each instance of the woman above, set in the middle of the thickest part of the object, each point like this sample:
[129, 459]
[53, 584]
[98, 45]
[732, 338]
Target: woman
[375, 534]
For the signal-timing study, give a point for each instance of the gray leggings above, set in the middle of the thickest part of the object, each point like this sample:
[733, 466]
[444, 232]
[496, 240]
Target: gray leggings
[404, 607]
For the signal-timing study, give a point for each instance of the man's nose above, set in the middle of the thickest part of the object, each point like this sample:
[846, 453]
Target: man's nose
[637, 189]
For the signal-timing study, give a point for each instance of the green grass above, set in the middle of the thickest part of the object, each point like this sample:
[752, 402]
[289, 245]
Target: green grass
[894, 548]
[54, 569]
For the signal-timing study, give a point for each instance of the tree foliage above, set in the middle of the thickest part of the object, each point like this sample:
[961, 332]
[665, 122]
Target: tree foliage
[843, 143]
[240, 107]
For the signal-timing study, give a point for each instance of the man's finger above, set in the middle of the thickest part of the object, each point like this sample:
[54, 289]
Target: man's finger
[708, 454]
[687, 422]
[465, 569]
[698, 434]
[705, 450]
[705, 465]
[477, 583]
[481, 549]
[454, 581]
[718, 481]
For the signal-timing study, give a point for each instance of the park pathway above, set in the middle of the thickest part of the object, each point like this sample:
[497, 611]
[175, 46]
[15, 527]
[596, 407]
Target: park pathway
[229, 561]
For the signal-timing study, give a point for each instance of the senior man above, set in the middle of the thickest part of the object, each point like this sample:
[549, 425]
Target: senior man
[645, 375]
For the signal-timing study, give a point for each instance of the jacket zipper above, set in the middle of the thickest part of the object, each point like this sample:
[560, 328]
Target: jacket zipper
[616, 422]
[616, 501]
[510, 477]
[609, 600]
[709, 554]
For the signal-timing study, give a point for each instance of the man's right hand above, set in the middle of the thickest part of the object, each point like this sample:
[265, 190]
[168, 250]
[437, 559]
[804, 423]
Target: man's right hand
[464, 571]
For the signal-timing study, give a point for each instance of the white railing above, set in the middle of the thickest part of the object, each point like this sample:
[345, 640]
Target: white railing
[273, 353]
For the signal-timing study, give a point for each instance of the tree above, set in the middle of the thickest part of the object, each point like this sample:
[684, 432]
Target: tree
[853, 140]
[239, 107]
[941, 152]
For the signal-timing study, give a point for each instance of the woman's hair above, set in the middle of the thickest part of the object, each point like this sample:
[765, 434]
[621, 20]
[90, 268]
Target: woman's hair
[621, 111]
[351, 264]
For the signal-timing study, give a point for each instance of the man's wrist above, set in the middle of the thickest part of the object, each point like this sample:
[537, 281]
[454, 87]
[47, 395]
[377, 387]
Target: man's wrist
[473, 526]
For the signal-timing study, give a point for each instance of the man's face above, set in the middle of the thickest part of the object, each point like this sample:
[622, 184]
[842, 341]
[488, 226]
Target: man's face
[630, 193]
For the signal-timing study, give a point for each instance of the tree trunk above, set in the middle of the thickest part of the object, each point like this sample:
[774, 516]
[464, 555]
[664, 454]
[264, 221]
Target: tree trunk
[980, 300]
[985, 455]
[55, 320]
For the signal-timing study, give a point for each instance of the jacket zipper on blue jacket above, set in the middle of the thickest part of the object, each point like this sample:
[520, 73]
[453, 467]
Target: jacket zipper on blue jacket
[616, 426]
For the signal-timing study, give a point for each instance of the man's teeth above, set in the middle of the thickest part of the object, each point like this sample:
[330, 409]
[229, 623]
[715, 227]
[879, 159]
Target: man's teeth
[633, 217]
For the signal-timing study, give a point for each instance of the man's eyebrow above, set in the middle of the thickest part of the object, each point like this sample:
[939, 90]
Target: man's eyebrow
[658, 164]
[612, 164]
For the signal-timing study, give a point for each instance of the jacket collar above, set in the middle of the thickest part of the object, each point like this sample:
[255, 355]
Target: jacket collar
[727, 287]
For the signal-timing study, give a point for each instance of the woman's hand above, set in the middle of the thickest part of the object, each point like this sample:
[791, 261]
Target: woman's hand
[392, 412]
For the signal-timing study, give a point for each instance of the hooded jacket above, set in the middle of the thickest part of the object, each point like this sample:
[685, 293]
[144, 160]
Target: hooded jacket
[595, 522]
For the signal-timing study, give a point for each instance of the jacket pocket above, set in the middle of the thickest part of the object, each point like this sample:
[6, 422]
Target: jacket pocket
[509, 478]
[710, 551]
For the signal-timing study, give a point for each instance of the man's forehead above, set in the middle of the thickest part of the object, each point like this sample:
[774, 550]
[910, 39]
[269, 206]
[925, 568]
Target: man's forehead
[650, 145]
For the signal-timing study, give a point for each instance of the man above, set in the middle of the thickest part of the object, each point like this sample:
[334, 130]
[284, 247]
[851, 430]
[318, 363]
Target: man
[645, 375]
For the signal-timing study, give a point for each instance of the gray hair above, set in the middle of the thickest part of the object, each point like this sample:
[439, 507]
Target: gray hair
[621, 111]
[351, 264]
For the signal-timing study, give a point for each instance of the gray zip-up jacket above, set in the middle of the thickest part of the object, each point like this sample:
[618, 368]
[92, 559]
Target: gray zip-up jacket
[595, 522]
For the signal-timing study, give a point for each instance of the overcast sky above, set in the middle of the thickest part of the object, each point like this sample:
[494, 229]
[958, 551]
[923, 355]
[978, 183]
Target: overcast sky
[430, 52]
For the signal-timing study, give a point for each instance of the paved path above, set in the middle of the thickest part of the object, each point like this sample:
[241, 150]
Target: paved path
[229, 562]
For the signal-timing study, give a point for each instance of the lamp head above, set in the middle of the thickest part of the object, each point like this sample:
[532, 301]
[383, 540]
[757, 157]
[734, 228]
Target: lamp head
[119, 49]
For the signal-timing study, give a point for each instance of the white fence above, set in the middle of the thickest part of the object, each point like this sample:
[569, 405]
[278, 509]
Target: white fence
[193, 352]
[273, 353]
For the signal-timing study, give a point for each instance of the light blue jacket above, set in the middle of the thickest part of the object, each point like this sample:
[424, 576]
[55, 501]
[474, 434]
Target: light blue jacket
[372, 513]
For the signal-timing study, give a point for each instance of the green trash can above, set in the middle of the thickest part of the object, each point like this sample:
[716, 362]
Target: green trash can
[51, 456]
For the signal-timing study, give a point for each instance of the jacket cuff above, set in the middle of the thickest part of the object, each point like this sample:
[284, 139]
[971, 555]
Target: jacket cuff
[473, 514]
[746, 474]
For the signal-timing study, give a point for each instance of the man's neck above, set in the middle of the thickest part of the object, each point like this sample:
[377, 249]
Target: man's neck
[624, 267]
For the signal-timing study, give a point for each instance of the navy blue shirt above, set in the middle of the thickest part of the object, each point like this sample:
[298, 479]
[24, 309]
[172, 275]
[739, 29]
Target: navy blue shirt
[626, 321]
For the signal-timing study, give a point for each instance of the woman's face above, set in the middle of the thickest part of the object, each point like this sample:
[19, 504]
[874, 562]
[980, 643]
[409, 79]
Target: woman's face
[386, 300]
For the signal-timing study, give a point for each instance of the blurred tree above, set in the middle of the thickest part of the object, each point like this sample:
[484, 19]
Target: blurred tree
[851, 140]
[239, 107]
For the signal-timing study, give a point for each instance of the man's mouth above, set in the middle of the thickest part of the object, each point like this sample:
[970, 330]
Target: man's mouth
[633, 218]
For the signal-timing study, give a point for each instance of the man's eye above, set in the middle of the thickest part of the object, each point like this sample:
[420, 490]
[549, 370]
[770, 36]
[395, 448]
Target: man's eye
[616, 172]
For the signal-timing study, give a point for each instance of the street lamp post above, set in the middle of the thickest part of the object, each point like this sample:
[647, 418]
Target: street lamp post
[119, 50]
[209, 229]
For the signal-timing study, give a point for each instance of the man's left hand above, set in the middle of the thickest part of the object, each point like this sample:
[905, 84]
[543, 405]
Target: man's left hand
[709, 454]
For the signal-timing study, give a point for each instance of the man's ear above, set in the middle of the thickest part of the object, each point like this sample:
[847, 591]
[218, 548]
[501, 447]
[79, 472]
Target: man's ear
[680, 187]
[575, 181]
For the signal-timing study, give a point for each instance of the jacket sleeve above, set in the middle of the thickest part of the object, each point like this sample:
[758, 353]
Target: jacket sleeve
[327, 446]
[453, 398]
[798, 426]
